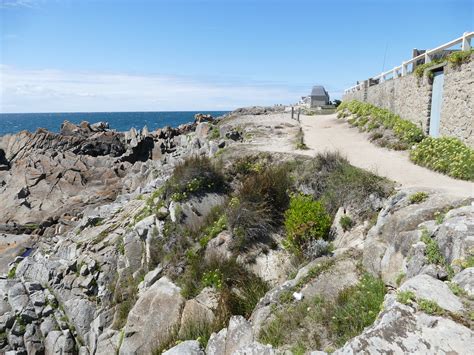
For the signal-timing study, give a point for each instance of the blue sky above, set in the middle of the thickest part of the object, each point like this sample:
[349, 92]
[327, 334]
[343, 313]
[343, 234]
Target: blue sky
[137, 55]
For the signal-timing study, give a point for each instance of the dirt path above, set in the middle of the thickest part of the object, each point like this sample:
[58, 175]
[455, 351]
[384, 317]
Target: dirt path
[327, 133]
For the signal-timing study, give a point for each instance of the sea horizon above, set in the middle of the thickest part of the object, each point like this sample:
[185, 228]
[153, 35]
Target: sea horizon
[12, 123]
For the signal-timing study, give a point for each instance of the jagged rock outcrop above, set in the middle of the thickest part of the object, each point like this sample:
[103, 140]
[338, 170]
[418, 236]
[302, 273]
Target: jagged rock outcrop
[47, 175]
[100, 281]
[394, 246]
[402, 329]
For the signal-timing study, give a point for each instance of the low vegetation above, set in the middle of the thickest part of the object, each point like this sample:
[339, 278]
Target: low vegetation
[425, 305]
[455, 59]
[389, 130]
[433, 253]
[317, 323]
[447, 155]
[418, 197]
[338, 184]
[306, 220]
[300, 144]
[195, 176]
[256, 210]
[346, 223]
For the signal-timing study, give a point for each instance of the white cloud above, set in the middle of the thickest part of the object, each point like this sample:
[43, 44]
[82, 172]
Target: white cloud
[17, 3]
[65, 91]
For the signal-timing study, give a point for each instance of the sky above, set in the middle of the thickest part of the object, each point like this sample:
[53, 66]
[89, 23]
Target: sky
[166, 55]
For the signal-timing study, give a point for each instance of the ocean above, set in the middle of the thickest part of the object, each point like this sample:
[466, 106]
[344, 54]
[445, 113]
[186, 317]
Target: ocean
[120, 121]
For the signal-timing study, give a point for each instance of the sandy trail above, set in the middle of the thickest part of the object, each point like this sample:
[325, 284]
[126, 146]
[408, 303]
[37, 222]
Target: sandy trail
[327, 133]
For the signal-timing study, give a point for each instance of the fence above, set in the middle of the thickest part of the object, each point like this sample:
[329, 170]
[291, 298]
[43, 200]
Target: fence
[404, 68]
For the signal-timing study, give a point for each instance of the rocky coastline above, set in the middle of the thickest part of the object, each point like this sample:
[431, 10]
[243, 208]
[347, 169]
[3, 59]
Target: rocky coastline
[123, 243]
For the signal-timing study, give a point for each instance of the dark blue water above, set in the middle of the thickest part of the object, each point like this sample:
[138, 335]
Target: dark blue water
[120, 121]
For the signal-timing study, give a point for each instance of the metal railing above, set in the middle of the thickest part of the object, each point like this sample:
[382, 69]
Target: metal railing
[403, 69]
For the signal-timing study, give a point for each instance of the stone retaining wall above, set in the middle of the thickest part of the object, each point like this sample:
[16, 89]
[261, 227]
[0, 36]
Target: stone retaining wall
[410, 98]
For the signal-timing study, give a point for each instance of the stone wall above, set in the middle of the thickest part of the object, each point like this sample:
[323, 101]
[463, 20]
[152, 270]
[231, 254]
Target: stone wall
[410, 98]
[457, 112]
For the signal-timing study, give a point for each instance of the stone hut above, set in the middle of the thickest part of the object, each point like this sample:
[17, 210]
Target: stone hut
[319, 97]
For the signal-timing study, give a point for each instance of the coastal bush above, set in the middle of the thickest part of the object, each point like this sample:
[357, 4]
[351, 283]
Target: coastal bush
[346, 223]
[240, 288]
[418, 197]
[330, 178]
[196, 175]
[213, 229]
[305, 220]
[356, 188]
[447, 155]
[305, 323]
[257, 207]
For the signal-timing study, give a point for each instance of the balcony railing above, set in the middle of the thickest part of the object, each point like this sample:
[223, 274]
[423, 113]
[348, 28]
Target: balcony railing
[404, 68]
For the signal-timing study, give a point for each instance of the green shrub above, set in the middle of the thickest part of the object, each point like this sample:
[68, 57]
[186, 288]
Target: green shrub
[212, 279]
[12, 273]
[406, 297]
[429, 307]
[196, 175]
[447, 155]
[458, 58]
[212, 230]
[214, 133]
[306, 219]
[418, 197]
[456, 289]
[346, 223]
[257, 208]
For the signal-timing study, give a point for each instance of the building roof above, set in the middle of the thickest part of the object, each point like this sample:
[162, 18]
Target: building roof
[319, 91]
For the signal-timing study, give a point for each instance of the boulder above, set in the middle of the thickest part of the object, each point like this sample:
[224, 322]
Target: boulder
[220, 246]
[189, 347]
[152, 319]
[272, 265]
[192, 213]
[330, 283]
[256, 348]
[239, 335]
[216, 343]
[465, 279]
[17, 297]
[427, 287]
